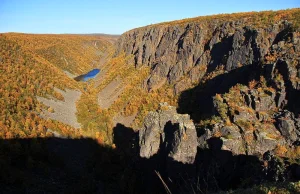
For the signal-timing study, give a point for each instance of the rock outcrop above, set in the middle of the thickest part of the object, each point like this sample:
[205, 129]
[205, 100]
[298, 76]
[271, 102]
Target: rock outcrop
[166, 131]
[222, 53]
[191, 49]
[238, 80]
[252, 121]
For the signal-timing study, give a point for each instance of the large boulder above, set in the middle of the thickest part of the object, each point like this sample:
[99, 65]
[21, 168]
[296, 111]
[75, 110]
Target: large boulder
[184, 145]
[166, 131]
[150, 135]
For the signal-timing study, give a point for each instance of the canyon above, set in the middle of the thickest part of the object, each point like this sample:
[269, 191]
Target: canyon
[199, 105]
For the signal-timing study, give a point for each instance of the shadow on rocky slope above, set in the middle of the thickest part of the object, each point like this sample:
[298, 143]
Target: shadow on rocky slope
[220, 52]
[198, 101]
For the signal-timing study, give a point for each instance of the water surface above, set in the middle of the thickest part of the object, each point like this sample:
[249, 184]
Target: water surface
[90, 75]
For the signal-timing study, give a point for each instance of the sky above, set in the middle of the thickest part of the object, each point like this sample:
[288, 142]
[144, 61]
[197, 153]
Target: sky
[115, 16]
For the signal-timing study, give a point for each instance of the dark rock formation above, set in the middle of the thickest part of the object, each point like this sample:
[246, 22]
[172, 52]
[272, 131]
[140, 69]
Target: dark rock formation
[240, 84]
[171, 132]
[279, 169]
[254, 70]
[173, 51]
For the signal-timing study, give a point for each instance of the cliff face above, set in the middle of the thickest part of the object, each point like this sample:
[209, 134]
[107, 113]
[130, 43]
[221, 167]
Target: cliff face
[237, 76]
[191, 49]
[256, 53]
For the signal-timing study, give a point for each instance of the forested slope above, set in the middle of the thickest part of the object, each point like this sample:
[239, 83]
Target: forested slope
[33, 66]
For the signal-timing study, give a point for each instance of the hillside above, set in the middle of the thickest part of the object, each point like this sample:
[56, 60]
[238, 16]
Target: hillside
[36, 68]
[73, 53]
[200, 105]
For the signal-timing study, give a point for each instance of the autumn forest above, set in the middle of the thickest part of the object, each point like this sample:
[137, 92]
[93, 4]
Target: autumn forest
[231, 79]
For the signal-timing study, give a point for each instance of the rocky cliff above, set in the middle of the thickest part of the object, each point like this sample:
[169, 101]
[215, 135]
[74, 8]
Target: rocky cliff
[192, 48]
[237, 76]
[257, 50]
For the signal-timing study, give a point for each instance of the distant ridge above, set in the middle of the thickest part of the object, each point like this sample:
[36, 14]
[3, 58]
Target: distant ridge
[98, 34]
